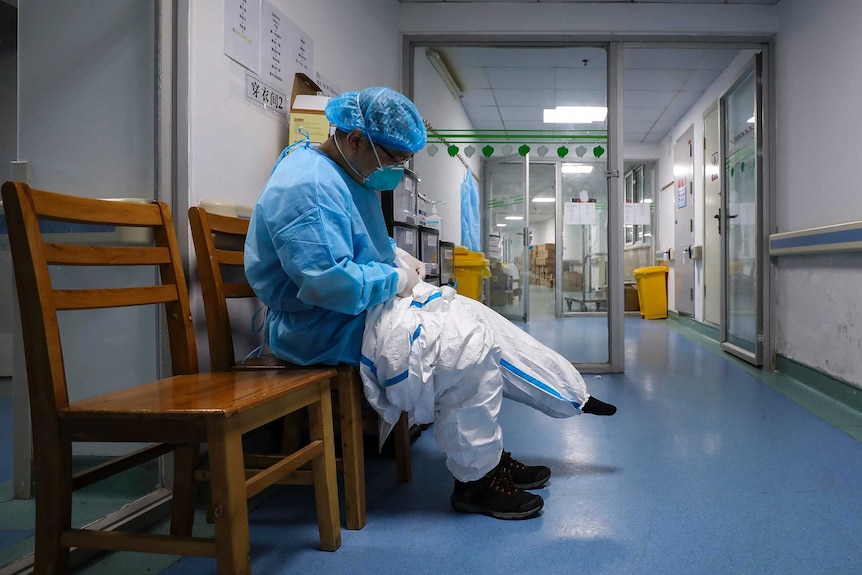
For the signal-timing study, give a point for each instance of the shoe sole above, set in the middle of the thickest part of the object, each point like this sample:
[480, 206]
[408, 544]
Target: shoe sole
[509, 515]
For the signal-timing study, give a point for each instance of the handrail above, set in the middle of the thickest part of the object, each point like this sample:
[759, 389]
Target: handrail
[825, 239]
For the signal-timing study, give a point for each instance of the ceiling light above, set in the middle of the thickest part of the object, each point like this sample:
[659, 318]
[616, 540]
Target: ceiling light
[575, 114]
[751, 120]
[544, 200]
[443, 70]
[577, 169]
[648, 200]
[501, 225]
[516, 218]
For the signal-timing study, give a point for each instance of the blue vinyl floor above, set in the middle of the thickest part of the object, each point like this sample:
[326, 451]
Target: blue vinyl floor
[705, 469]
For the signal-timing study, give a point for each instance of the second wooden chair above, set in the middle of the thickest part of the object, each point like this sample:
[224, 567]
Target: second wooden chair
[217, 287]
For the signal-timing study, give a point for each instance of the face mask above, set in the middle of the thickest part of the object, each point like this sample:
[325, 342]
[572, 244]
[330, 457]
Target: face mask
[383, 178]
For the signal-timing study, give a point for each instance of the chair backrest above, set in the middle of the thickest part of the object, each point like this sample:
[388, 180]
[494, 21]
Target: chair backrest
[219, 241]
[39, 302]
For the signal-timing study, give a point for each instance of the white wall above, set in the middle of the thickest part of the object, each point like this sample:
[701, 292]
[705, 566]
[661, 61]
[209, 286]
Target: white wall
[818, 310]
[233, 143]
[441, 174]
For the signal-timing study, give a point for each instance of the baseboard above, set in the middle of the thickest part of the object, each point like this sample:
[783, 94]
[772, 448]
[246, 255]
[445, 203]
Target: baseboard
[839, 390]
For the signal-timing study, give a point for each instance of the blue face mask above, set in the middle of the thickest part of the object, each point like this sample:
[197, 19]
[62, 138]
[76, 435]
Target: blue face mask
[384, 178]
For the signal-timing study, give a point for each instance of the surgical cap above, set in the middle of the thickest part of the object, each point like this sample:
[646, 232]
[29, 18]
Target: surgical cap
[387, 117]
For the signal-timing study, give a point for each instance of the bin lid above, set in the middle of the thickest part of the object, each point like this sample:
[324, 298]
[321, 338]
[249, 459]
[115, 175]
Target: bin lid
[467, 258]
[649, 270]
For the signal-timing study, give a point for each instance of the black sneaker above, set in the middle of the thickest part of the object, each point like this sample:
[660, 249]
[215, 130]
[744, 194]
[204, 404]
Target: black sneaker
[525, 476]
[495, 495]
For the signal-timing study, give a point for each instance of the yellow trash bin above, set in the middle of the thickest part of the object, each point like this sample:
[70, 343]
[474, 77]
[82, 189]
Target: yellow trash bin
[652, 291]
[470, 269]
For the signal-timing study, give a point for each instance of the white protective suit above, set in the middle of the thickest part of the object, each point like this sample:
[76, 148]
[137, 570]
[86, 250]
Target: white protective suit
[443, 357]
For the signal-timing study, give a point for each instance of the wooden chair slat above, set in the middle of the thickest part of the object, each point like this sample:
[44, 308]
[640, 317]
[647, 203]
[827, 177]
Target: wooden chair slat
[229, 258]
[113, 297]
[235, 290]
[86, 255]
[227, 224]
[63, 208]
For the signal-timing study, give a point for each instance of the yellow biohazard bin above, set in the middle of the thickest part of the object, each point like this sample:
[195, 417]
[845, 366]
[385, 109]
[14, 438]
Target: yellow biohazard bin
[470, 269]
[652, 291]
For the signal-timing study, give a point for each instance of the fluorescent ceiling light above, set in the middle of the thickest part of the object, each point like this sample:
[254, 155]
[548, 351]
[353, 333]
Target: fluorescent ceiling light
[575, 114]
[516, 218]
[648, 201]
[501, 225]
[443, 70]
[544, 200]
[577, 169]
[751, 120]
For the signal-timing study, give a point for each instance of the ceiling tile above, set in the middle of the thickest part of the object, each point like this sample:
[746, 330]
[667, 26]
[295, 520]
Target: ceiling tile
[645, 99]
[700, 80]
[535, 97]
[580, 98]
[471, 77]
[662, 58]
[488, 124]
[525, 113]
[478, 98]
[639, 114]
[580, 78]
[503, 78]
[482, 112]
[643, 79]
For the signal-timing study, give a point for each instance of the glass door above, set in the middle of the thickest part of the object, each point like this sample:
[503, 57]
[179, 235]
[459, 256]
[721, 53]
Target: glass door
[742, 208]
[507, 226]
[583, 287]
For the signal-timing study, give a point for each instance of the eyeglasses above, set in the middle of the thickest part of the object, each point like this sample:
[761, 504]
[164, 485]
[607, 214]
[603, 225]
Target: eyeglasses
[396, 161]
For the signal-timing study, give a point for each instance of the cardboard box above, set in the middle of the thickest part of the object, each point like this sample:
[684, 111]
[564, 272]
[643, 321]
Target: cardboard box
[307, 111]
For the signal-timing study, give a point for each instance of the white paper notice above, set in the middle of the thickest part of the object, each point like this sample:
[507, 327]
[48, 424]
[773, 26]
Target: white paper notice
[276, 67]
[642, 214]
[572, 214]
[301, 51]
[628, 214]
[242, 32]
[588, 214]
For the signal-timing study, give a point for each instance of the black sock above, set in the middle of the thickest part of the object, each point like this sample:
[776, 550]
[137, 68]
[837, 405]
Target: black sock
[598, 407]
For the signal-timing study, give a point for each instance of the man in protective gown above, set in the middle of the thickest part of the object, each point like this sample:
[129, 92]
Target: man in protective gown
[338, 290]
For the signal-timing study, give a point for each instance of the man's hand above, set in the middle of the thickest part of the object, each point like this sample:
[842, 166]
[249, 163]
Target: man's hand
[410, 262]
[407, 280]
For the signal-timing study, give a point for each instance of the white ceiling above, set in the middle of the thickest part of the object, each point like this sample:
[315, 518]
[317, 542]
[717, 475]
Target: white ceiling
[508, 88]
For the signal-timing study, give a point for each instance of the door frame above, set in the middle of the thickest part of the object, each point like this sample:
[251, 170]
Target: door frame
[763, 355]
[616, 43]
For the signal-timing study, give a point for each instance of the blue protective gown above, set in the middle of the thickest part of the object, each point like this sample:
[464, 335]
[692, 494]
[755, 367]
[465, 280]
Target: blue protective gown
[318, 255]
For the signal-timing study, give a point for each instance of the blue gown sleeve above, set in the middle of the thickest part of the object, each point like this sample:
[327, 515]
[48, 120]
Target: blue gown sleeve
[326, 251]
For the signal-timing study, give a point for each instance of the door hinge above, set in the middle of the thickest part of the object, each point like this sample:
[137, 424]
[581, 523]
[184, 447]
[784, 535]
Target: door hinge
[612, 174]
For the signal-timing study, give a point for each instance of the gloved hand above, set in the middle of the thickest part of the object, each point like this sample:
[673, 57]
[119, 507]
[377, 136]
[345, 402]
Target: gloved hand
[407, 280]
[409, 262]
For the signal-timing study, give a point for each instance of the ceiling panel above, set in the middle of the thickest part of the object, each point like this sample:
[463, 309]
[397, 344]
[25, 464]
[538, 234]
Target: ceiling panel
[507, 88]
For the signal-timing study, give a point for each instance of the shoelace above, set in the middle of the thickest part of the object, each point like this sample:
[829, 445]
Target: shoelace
[508, 461]
[502, 482]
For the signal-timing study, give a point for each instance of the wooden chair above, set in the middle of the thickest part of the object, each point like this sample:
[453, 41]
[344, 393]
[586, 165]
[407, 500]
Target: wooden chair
[178, 413]
[216, 288]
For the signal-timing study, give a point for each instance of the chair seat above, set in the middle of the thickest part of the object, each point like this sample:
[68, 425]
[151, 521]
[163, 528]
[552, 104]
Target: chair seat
[222, 394]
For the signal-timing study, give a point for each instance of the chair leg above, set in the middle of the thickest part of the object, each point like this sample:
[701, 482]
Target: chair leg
[352, 451]
[402, 449]
[230, 508]
[53, 508]
[186, 460]
[323, 466]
